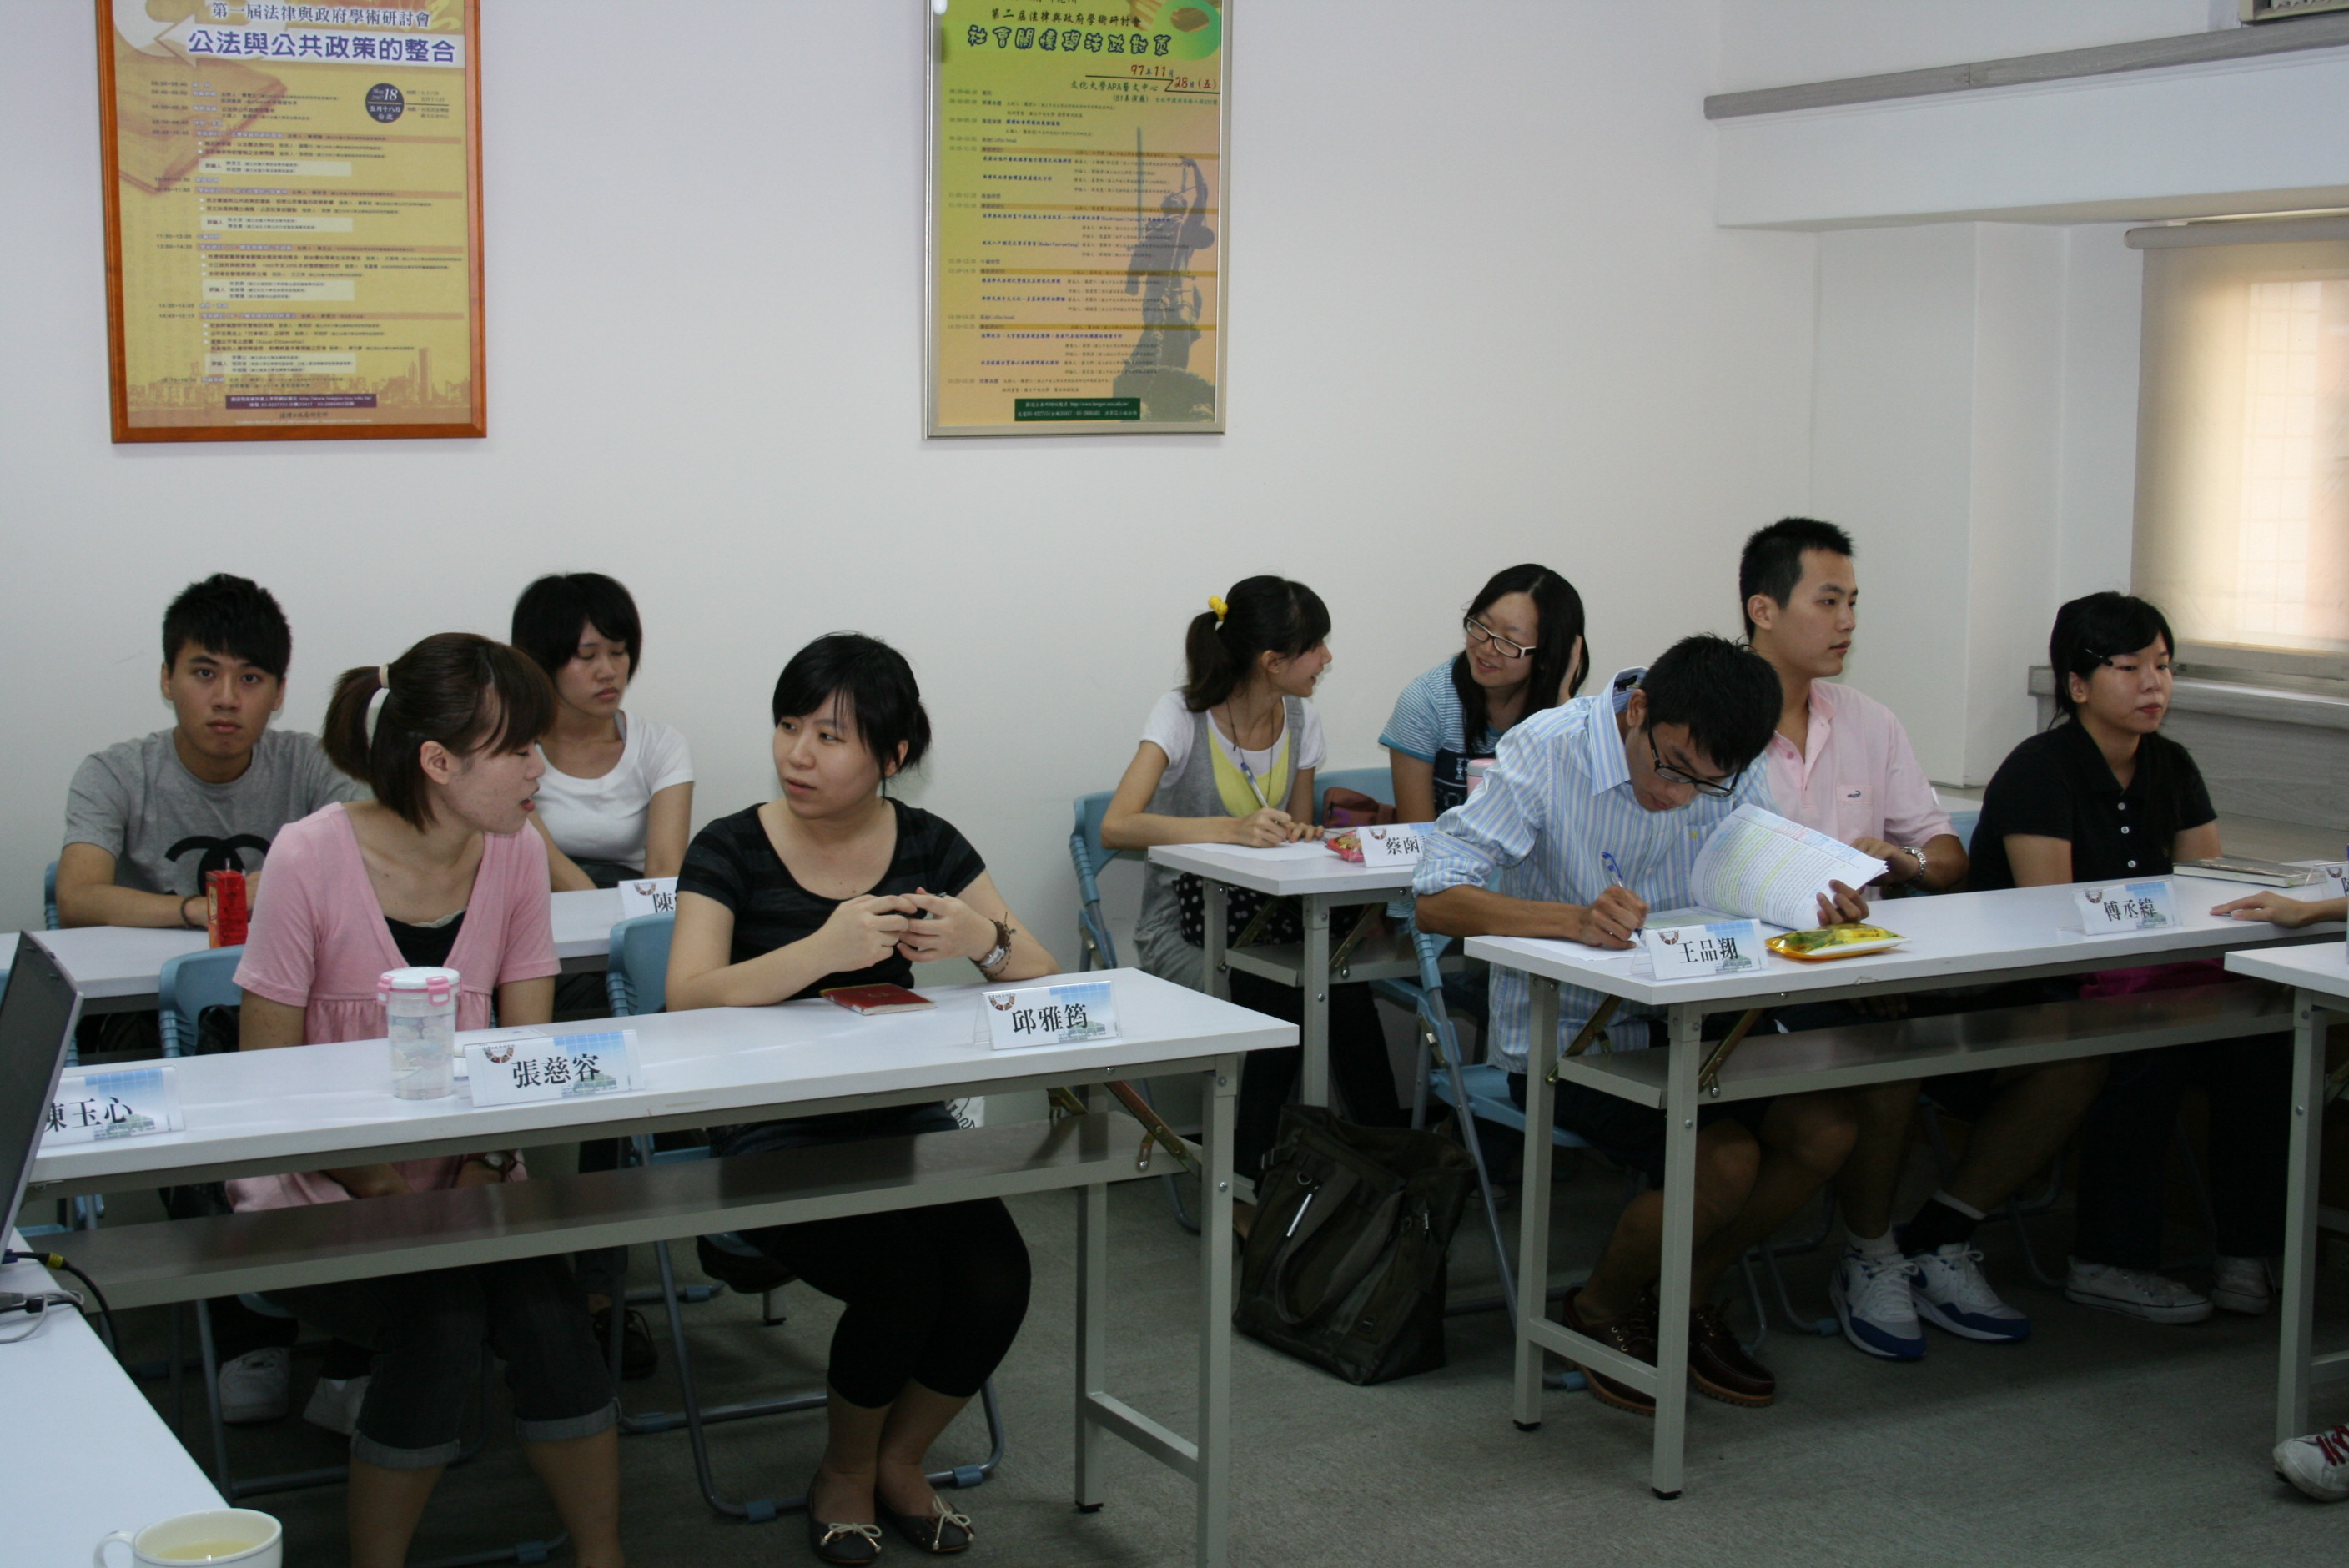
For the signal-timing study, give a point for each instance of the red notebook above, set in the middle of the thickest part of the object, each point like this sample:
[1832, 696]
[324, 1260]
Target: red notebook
[871, 999]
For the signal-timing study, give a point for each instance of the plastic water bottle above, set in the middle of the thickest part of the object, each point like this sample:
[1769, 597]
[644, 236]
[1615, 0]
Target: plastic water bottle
[419, 1014]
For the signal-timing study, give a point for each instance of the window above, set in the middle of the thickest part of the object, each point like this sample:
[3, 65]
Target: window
[2242, 497]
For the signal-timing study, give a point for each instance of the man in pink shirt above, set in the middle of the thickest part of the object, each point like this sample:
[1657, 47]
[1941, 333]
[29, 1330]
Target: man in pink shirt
[1841, 764]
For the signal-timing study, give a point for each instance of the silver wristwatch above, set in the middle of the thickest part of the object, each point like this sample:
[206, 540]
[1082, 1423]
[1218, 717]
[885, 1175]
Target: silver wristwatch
[1918, 855]
[501, 1162]
[1003, 950]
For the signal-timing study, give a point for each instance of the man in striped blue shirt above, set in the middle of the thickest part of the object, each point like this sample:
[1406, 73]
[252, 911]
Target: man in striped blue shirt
[1592, 815]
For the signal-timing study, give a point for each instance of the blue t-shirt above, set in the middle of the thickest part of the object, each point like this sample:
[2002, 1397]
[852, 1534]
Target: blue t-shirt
[1426, 724]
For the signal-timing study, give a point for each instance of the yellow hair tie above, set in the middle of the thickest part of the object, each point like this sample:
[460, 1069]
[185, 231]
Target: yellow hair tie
[1215, 602]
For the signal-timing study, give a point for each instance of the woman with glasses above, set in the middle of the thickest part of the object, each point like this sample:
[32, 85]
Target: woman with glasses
[1227, 757]
[1525, 653]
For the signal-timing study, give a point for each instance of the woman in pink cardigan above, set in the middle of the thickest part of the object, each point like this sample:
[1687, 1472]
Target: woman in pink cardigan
[437, 870]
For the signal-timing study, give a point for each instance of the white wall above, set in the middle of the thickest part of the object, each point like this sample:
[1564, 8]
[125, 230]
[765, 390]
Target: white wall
[1480, 314]
[1782, 43]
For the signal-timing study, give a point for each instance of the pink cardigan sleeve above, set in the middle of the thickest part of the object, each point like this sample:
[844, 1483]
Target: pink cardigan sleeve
[281, 949]
[529, 949]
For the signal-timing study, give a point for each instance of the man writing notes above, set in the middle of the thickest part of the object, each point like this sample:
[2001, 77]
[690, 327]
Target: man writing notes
[1592, 815]
[1841, 764]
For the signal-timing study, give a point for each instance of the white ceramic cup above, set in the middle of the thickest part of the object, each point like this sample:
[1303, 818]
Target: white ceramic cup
[242, 1537]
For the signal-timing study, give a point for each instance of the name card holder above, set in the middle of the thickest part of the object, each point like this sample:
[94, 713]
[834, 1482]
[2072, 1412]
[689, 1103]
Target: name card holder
[556, 1067]
[1694, 952]
[2127, 909]
[1398, 844]
[1081, 1013]
[647, 895]
[97, 1108]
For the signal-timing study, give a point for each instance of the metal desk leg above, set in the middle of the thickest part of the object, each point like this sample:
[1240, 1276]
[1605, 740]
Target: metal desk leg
[1313, 1083]
[1533, 1202]
[1213, 1474]
[1680, 1240]
[2298, 1343]
[1214, 910]
[1092, 1331]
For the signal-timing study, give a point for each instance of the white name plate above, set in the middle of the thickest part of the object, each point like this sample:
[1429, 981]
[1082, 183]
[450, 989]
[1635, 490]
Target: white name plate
[97, 1108]
[2336, 881]
[1691, 951]
[2127, 909]
[556, 1067]
[1397, 844]
[1078, 1014]
[647, 895]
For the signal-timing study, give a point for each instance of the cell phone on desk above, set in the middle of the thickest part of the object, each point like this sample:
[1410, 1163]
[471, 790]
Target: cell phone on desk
[872, 999]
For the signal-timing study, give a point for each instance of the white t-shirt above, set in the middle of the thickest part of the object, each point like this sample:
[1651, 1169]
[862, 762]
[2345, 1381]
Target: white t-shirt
[604, 818]
[1171, 726]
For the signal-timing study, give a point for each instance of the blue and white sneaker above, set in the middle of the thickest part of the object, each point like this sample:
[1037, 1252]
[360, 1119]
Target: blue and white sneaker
[1950, 1293]
[1874, 1302]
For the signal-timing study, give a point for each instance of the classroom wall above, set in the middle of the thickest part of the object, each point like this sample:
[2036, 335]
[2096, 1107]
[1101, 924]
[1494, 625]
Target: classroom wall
[1781, 43]
[1480, 313]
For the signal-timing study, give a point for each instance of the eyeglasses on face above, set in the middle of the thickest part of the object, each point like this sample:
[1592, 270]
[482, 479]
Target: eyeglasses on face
[1717, 787]
[1501, 644]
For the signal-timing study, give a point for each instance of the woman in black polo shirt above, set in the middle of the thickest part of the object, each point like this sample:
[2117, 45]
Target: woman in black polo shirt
[2103, 795]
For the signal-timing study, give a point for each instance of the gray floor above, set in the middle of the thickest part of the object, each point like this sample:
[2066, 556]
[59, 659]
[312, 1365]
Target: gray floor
[2100, 1441]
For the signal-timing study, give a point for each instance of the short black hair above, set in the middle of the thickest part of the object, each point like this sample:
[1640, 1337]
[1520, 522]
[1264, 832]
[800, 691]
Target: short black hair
[874, 682]
[2100, 626]
[548, 616]
[1773, 562]
[1727, 696]
[232, 615]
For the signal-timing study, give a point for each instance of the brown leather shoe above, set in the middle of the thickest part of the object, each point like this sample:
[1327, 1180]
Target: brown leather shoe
[1718, 1366]
[1633, 1334]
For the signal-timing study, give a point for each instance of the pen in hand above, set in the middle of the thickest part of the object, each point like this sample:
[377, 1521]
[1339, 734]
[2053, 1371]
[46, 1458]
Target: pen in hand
[1618, 912]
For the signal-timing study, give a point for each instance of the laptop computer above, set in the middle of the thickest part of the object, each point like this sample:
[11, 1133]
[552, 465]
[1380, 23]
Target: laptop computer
[37, 1016]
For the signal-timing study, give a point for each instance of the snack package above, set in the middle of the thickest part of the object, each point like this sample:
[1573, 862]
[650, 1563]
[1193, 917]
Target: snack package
[1346, 844]
[227, 913]
[1822, 942]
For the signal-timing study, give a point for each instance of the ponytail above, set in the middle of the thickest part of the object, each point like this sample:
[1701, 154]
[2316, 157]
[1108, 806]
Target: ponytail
[464, 692]
[1260, 615]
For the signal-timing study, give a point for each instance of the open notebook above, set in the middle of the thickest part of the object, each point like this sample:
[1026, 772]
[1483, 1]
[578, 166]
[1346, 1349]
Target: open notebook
[1759, 865]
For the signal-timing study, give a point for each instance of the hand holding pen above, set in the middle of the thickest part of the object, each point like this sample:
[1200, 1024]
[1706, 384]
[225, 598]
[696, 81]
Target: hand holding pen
[1615, 918]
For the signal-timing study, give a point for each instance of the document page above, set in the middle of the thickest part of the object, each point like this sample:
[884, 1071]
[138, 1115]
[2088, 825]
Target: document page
[1758, 864]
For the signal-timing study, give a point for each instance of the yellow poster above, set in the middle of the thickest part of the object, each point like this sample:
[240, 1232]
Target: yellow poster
[1076, 222]
[293, 219]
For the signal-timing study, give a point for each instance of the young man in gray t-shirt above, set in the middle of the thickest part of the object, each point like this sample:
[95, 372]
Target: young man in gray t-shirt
[146, 819]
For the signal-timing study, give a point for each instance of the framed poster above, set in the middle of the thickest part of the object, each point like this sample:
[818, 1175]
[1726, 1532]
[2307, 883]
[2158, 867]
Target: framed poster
[293, 219]
[1077, 233]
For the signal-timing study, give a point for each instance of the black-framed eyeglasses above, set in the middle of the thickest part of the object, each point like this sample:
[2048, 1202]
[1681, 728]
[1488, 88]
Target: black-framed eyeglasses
[1501, 644]
[1719, 788]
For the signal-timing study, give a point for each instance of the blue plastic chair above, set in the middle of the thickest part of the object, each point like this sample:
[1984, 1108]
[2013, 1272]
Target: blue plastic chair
[1963, 824]
[1378, 783]
[635, 975]
[1091, 857]
[49, 896]
[187, 985]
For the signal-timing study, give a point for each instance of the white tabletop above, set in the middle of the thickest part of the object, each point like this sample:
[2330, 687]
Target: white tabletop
[1955, 935]
[285, 1109]
[2320, 966]
[1287, 872]
[97, 1457]
[108, 961]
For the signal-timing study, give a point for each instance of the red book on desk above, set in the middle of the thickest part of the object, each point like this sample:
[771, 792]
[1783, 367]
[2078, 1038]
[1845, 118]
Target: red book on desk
[871, 999]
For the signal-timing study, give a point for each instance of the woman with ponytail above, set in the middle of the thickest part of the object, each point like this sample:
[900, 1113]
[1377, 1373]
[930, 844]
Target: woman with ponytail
[437, 870]
[1229, 759]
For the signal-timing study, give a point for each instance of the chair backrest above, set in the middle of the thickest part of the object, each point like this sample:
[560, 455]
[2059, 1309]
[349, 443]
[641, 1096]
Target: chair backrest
[1088, 856]
[1378, 783]
[188, 984]
[49, 896]
[1963, 823]
[637, 975]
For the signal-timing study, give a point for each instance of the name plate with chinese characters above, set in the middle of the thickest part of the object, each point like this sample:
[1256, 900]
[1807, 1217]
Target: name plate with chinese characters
[1398, 844]
[1081, 1013]
[97, 1108]
[1689, 951]
[647, 895]
[2127, 909]
[551, 1066]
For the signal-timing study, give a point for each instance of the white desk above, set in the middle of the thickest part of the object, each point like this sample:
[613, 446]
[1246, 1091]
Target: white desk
[103, 1459]
[114, 966]
[1954, 940]
[312, 1106]
[1321, 880]
[2319, 976]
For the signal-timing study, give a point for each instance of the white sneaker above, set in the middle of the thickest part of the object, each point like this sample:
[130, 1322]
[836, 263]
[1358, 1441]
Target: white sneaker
[2135, 1293]
[258, 1386]
[2243, 1285]
[334, 1403]
[1873, 1300]
[2317, 1464]
[1950, 1293]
